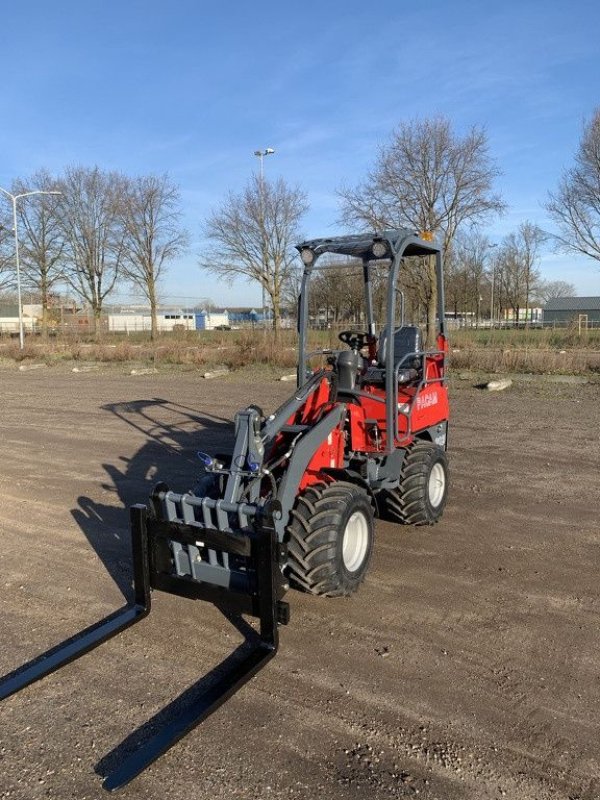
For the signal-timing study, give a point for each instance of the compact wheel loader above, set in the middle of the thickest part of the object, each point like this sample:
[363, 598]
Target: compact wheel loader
[294, 503]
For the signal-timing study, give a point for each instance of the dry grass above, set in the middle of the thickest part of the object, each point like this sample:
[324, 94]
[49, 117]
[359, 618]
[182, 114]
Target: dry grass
[234, 349]
[497, 360]
[535, 350]
[491, 351]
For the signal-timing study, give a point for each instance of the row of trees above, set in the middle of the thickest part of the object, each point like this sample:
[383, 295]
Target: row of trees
[103, 227]
[426, 178]
[482, 282]
[484, 279]
[252, 235]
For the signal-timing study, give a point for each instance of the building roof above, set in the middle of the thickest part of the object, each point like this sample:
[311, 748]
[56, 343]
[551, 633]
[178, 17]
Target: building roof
[573, 304]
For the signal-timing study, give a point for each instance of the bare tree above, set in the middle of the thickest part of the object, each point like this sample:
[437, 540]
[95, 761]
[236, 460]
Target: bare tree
[152, 234]
[530, 239]
[575, 207]
[516, 266]
[7, 252]
[41, 240]
[454, 280]
[549, 290]
[252, 236]
[469, 256]
[89, 214]
[338, 290]
[291, 290]
[427, 178]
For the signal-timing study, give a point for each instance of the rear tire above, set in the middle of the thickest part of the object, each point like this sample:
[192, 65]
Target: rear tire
[330, 539]
[421, 496]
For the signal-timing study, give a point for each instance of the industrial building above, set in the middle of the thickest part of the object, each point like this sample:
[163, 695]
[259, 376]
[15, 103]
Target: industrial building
[167, 320]
[569, 310]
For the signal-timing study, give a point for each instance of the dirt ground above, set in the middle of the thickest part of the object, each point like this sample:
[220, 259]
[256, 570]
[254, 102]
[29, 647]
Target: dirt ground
[467, 667]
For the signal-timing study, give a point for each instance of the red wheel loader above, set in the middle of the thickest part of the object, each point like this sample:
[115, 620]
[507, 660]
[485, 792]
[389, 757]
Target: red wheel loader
[295, 502]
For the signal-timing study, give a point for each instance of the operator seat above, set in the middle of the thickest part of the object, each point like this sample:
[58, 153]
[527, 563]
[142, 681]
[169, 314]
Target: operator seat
[407, 342]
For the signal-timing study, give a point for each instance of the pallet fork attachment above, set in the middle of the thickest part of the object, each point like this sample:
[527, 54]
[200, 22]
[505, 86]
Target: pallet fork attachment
[150, 538]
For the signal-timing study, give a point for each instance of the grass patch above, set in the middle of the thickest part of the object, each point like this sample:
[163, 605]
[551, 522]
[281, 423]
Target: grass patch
[534, 338]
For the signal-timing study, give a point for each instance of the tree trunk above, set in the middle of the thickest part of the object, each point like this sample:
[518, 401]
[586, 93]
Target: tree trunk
[153, 310]
[44, 317]
[276, 302]
[44, 292]
[97, 326]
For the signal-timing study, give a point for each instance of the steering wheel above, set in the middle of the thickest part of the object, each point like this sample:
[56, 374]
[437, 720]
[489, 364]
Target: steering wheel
[354, 339]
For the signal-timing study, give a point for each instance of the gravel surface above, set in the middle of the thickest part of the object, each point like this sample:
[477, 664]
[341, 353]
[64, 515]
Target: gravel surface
[466, 667]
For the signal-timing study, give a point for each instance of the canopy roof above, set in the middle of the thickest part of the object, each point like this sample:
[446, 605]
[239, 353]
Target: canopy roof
[361, 245]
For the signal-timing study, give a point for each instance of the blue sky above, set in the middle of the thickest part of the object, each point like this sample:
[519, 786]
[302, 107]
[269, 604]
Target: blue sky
[193, 88]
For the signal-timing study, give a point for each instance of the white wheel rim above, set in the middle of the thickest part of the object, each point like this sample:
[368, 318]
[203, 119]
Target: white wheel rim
[436, 485]
[356, 541]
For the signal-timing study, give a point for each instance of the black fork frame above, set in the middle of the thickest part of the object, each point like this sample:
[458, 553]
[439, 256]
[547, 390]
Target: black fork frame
[148, 536]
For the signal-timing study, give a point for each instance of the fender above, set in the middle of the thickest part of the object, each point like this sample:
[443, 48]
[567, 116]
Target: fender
[351, 476]
[303, 452]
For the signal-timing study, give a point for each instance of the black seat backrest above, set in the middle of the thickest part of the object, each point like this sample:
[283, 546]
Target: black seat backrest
[407, 339]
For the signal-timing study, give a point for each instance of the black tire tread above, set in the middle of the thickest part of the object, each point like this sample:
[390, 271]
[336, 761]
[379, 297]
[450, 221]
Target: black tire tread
[312, 538]
[406, 504]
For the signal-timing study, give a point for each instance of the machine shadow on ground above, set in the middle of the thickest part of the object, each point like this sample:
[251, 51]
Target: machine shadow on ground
[174, 433]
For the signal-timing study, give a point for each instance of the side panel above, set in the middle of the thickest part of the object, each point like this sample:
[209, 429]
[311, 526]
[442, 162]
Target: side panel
[430, 407]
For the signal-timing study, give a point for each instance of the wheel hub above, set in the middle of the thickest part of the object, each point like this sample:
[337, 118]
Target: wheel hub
[355, 543]
[436, 485]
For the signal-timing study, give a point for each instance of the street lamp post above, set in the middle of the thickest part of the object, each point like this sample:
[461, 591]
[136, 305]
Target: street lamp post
[14, 198]
[260, 154]
[268, 151]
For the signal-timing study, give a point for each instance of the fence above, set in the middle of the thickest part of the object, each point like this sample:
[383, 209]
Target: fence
[84, 326]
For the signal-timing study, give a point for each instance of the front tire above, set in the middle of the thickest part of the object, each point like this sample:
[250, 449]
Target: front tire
[421, 495]
[330, 539]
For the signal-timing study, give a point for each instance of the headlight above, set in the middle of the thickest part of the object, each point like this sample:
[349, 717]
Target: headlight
[307, 255]
[380, 249]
